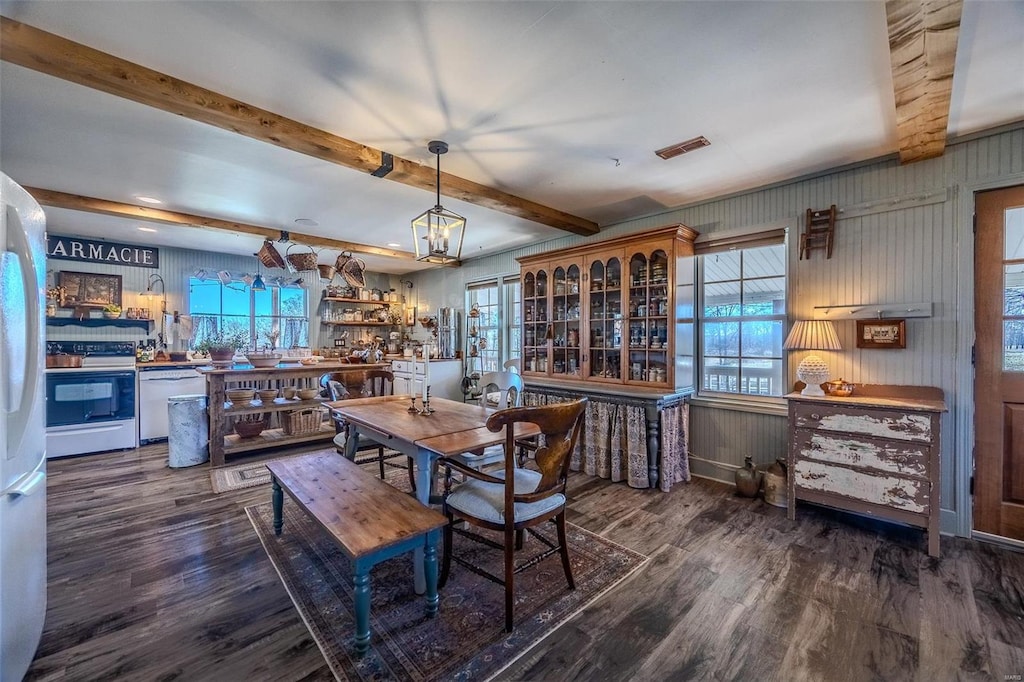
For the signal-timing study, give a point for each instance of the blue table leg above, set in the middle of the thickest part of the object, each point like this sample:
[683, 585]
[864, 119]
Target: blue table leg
[430, 571]
[277, 496]
[361, 594]
[423, 488]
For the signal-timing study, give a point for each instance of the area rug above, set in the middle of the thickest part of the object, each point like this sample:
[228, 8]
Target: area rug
[467, 640]
[252, 474]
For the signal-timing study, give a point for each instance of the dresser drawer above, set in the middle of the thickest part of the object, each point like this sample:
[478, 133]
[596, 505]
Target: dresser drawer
[908, 494]
[889, 456]
[881, 423]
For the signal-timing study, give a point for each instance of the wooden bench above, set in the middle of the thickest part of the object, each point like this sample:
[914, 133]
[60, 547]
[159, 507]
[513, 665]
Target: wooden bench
[370, 520]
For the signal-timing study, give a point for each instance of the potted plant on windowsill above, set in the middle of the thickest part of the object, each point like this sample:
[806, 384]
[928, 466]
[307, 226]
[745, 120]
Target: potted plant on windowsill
[221, 345]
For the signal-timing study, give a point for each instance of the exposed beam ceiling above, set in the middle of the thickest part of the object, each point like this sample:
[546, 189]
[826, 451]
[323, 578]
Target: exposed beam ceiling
[51, 54]
[75, 202]
[922, 47]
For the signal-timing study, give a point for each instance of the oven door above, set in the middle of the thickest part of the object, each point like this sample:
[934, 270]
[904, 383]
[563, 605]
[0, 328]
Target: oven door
[89, 397]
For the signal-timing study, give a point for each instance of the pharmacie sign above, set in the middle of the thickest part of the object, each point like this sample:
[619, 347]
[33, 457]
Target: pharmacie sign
[89, 251]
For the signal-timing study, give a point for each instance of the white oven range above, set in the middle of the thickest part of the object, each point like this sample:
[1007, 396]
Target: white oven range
[91, 408]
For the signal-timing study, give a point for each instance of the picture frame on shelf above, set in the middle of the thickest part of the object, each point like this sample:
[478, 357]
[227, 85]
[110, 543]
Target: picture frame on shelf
[89, 289]
[882, 334]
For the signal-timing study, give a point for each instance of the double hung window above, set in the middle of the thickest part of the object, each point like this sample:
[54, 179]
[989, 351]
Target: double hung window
[497, 327]
[742, 314]
[233, 307]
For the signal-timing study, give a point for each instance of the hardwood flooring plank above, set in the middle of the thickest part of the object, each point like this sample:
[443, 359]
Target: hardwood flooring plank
[153, 577]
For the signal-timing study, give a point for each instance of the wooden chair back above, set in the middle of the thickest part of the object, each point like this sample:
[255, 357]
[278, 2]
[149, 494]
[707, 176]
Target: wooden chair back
[508, 385]
[378, 382]
[560, 425]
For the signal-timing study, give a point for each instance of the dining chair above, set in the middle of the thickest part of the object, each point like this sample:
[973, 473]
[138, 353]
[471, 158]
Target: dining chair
[513, 365]
[376, 382]
[515, 499]
[500, 390]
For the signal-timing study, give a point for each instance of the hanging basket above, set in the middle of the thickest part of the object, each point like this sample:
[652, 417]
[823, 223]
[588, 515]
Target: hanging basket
[326, 272]
[351, 270]
[269, 256]
[300, 262]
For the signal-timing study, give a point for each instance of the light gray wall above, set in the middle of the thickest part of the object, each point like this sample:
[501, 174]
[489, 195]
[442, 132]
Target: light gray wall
[176, 267]
[904, 235]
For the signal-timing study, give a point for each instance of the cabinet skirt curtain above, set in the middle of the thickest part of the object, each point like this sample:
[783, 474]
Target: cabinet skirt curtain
[675, 446]
[613, 444]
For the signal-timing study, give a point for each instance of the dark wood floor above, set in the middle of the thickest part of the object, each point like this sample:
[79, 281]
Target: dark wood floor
[153, 577]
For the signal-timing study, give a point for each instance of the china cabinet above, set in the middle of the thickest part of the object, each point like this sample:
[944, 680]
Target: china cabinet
[616, 312]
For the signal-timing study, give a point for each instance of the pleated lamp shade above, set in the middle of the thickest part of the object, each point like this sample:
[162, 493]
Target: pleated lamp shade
[812, 335]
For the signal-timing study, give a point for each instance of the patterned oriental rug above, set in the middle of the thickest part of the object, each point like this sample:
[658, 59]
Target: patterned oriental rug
[467, 640]
[252, 474]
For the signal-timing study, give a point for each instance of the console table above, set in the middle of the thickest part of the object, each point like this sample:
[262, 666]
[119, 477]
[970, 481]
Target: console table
[875, 453]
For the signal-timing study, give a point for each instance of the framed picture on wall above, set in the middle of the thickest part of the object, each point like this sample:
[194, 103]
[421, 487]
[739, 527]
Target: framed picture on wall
[89, 289]
[881, 333]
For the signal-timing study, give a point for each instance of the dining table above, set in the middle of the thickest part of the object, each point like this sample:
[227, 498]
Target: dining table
[399, 422]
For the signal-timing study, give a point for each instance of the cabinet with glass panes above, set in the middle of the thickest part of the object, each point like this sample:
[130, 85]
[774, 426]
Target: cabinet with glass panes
[615, 312]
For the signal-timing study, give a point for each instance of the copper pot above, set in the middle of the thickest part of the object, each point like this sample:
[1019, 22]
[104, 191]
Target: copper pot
[63, 361]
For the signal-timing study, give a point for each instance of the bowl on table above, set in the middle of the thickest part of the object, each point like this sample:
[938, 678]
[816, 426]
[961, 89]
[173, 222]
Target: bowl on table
[288, 392]
[250, 427]
[263, 359]
[239, 395]
[267, 394]
[308, 393]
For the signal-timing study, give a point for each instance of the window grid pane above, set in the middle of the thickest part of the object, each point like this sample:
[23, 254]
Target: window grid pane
[743, 304]
[232, 308]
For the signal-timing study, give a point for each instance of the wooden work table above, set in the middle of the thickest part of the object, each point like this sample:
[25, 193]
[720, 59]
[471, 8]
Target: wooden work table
[223, 414]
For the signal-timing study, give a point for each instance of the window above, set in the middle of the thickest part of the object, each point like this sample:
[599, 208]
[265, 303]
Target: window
[742, 315]
[498, 326]
[234, 307]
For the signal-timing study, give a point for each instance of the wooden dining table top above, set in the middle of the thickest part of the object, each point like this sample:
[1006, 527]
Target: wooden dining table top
[453, 427]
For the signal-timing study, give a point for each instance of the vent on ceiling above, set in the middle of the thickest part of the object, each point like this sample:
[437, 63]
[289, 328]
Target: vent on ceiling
[683, 147]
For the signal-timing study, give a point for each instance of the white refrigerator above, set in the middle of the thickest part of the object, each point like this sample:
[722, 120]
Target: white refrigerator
[22, 429]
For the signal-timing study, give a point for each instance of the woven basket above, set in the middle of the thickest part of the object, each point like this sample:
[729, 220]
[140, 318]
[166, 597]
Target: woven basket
[269, 256]
[352, 272]
[301, 422]
[300, 262]
[326, 272]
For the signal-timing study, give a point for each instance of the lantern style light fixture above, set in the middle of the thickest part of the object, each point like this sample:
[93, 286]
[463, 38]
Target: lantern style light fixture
[441, 229]
[812, 335]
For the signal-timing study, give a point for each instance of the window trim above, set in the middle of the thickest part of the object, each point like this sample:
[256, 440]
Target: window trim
[504, 298]
[725, 241]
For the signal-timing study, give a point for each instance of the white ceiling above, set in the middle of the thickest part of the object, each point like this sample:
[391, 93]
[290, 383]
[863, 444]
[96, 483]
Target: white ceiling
[562, 103]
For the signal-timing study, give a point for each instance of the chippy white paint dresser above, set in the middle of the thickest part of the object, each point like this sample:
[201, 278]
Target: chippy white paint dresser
[875, 453]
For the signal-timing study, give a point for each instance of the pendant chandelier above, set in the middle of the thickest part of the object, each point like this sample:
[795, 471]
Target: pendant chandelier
[440, 229]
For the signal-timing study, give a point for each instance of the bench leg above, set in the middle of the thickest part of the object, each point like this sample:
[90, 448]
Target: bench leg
[277, 496]
[430, 573]
[361, 594]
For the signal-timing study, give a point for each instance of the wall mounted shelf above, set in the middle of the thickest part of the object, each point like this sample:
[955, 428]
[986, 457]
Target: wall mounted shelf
[144, 325]
[872, 311]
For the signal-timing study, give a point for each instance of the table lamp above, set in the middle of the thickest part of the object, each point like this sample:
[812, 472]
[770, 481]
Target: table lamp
[812, 335]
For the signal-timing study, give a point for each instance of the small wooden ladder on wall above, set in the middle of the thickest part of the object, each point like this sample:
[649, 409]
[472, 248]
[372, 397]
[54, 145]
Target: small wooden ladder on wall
[819, 232]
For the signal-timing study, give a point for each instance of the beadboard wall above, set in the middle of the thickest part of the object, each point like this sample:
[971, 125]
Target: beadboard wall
[904, 235]
[176, 267]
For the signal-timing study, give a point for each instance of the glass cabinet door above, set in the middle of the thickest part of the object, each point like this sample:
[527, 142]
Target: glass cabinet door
[649, 314]
[565, 321]
[605, 319]
[535, 321]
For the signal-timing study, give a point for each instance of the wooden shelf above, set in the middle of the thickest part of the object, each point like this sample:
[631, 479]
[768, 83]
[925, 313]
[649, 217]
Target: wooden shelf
[273, 437]
[358, 324]
[98, 322]
[354, 300]
[278, 405]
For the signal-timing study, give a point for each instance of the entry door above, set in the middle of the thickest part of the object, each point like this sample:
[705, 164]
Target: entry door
[999, 364]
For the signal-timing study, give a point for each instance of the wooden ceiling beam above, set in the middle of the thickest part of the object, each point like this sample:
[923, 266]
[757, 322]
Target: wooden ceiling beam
[48, 197]
[922, 49]
[51, 54]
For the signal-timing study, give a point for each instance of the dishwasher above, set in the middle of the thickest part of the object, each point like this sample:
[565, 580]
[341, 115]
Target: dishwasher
[156, 385]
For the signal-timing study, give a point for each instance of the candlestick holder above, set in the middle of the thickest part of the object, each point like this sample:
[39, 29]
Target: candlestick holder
[412, 405]
[427, 409]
